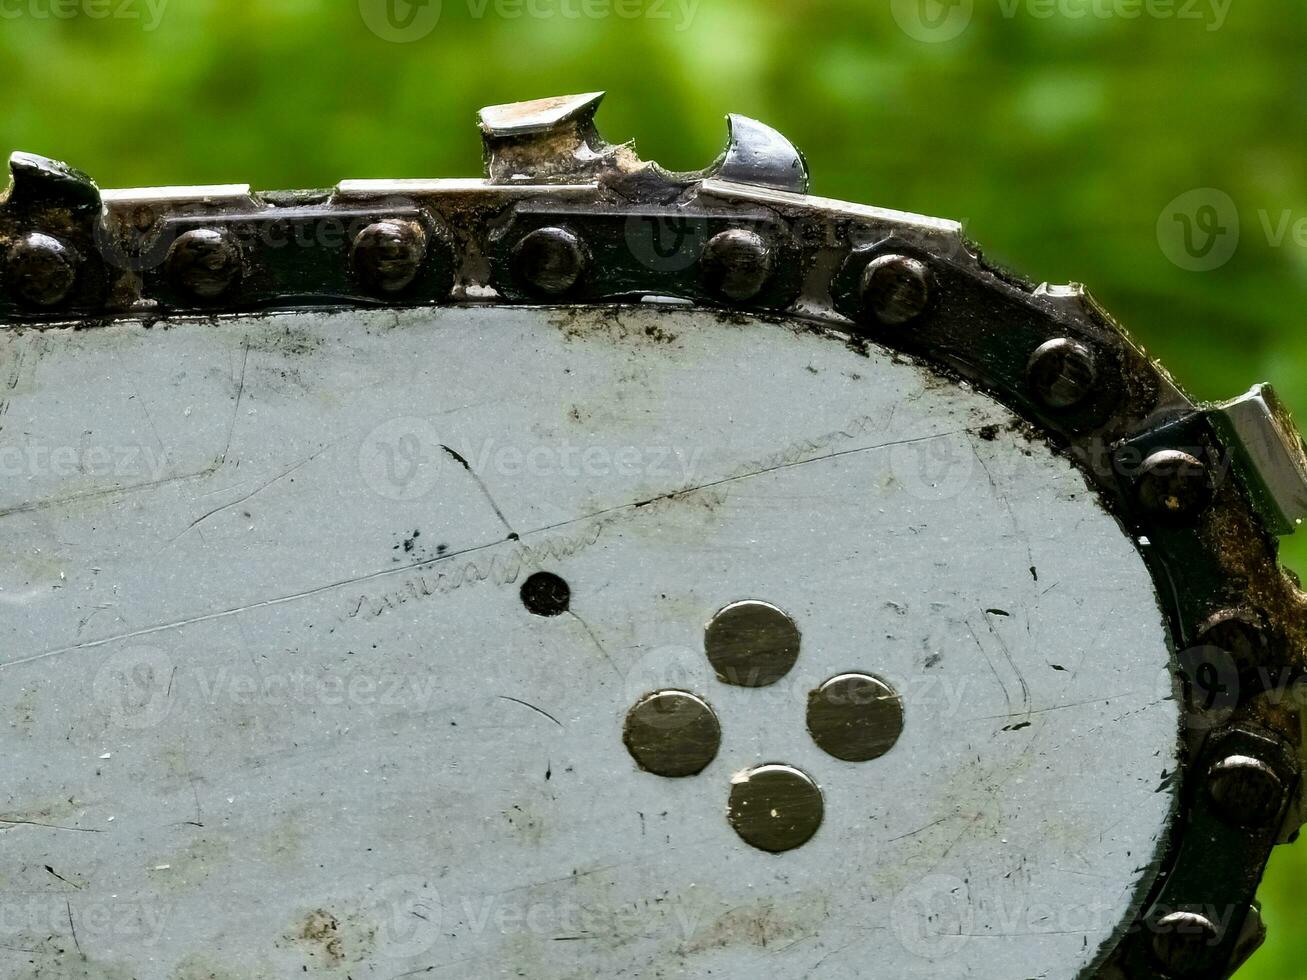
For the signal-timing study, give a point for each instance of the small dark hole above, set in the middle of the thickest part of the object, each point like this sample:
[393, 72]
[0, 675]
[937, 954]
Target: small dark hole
[545, 594]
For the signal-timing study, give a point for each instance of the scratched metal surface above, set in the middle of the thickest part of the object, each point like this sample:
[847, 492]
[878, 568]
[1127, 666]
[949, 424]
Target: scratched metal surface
[275, 704]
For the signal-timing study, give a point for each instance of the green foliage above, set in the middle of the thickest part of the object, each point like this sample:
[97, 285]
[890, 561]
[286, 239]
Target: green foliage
[1059, 139]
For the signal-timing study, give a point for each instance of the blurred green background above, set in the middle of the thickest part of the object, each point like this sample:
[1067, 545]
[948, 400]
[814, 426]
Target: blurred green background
[1061, 131]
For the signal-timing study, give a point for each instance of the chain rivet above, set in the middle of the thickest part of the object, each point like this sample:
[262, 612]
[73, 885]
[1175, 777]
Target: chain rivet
[775, 807]
[895, 289]
[1238, 632]
[855, 717]
[737, 264]
[1245, 791]
[388, 255]
[672, 733]
[1174, 486]
[751, 644]
[1062, 373]
[205, 262]
[1184, 942]
[550, 260]
[40, 270]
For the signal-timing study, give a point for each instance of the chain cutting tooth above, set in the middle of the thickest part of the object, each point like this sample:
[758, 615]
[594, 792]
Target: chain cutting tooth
[49, 256]
[544, 140]
[759, 155]
[38, 181]
[1269, 456]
